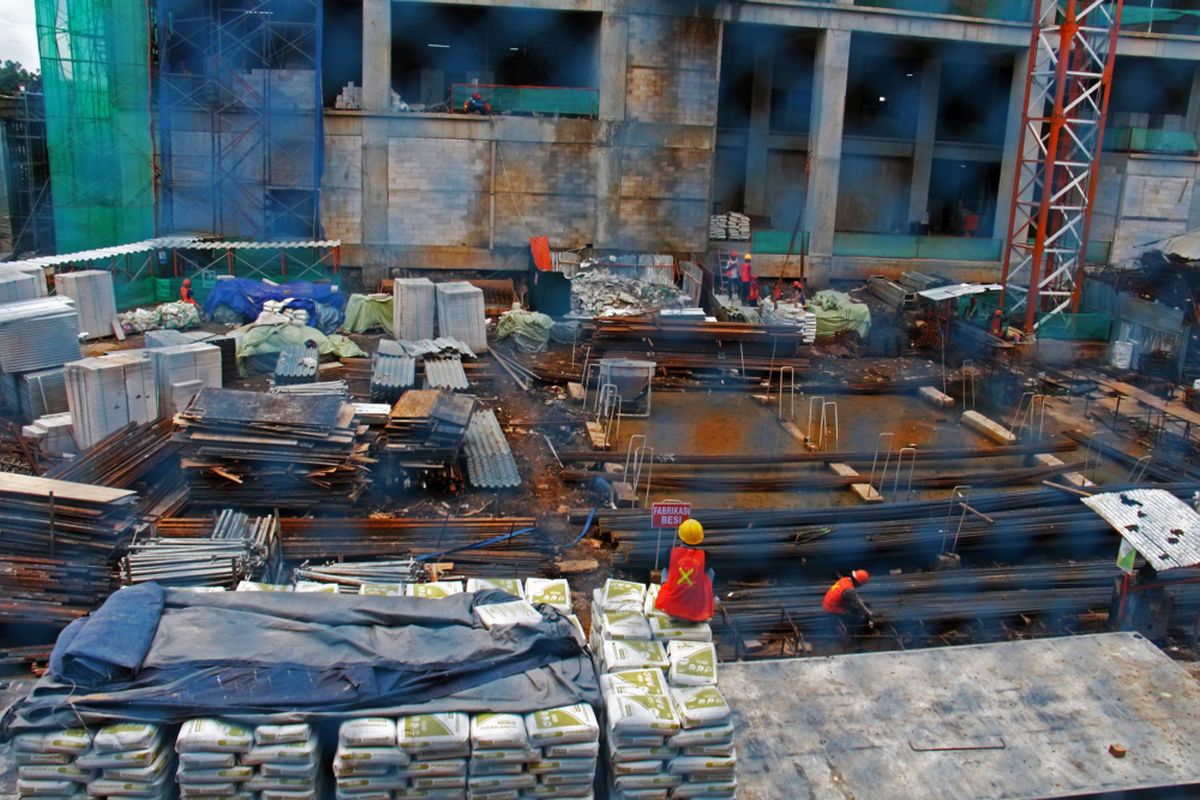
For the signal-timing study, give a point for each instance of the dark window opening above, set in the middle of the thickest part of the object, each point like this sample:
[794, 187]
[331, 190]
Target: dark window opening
[973, 101]
[791, 77]
[342, 49]
[1149, 86]
[962, 197]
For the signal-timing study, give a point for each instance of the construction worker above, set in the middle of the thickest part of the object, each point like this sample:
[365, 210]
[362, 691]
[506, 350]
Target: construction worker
[842, 599]
[730, 271]
[687, 592]
[745, 277]
[186, 294]
[997, 326]
[798, 296]
[753, 299]
[475, 104]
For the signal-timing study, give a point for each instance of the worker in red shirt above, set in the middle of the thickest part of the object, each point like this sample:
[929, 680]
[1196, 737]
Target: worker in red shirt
[729, 271]
[186, 294]
[746, 276]
[843, 601]
[475, 104]
[687, 592]
[754, 290]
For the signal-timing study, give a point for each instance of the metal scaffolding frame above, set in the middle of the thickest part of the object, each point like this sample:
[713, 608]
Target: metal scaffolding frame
[27, 170]
[239, 85]
[1071, 55]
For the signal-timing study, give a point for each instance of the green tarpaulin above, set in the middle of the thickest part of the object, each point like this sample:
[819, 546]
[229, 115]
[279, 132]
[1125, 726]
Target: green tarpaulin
[264, 342]
[837, 312]
[366, 312]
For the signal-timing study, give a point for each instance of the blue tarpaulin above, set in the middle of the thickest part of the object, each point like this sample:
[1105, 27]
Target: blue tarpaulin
[245, 298]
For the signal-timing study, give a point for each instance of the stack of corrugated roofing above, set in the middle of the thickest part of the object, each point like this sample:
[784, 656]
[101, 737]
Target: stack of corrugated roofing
[426, 427]
[182, 370]
[95, 300]
[42, 392]
[460, 314]
[258, 450]
[490, 462]
[445, 373]
[296, 364]
[37, 334]
[391, 376]
[413, 308]
[106, 393]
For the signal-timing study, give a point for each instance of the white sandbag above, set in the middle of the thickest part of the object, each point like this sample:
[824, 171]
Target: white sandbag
[439, 782]
[564, 725]
[213, 736]
[633, 654]
[652, 781]
[258, 586]
[435, 589]
[148, 774]
[55, 772]
[692, 664]
[288, 751]
[126, 736]
[498, 731]
[703, 765]
[563, 765]
[510, 585]
[495, 783]
[622, 595]
[120, 758]
[623, 624]
[383, 589]
[207, 760]
[573, 750]
[367, 732]
[72, 741]
[700, 706]
[641, 713]
[666, 628]
[438, 768]
[716, 734]
[518, 612]
[434, 735]
[235, 774]
[551, 591]
[634, 681]
[371, 757]
[282, 734]
[315, 587]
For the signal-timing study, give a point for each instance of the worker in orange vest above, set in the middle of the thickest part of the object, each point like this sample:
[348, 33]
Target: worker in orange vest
[746, 276]
[687, 592]
[186, 294]
[842, 599]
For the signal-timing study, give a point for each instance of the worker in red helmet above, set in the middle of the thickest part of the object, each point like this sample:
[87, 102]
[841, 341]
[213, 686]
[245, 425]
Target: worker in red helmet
[746, 277]
[798, 295]
[475, 104]
[186, 294]
[996, 328]
[842, 599]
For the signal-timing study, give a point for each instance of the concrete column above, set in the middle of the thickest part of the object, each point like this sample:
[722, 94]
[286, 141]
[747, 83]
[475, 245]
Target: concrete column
[758, 135]
[614, 57]
[1012, 139]
[825, 148]
[927, 115]
[1193, 106]
[377, 55]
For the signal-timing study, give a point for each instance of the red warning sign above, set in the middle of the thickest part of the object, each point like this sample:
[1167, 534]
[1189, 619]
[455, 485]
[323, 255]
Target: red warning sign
[670, 513]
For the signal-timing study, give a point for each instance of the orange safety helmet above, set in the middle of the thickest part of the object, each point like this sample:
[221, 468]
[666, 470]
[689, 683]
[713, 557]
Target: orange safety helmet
[860, 577]
[187, 281]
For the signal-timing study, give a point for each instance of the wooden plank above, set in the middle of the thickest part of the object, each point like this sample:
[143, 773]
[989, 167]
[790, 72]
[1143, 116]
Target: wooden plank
[31, 486]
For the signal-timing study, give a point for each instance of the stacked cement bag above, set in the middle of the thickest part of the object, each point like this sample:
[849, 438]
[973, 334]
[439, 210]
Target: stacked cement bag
[707, 758]
[640, 720]
[554, 592]
[500, 758]
[133, 759]
[511, 585]
[212, 759]
[435, 589]
[287, 761]
[568, 745]
[368, 761]
[439, 745]
[46, 763]
[665, 628]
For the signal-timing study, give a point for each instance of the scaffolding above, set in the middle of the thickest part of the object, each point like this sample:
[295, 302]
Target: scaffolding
[96, 81]
[1069, 76]
[27, 173]
[239, 86]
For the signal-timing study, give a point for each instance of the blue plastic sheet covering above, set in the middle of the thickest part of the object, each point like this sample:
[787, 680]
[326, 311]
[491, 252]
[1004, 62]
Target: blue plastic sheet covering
[168, 655]
[245, 298]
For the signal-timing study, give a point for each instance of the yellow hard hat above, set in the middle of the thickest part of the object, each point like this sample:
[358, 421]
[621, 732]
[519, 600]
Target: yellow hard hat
[691, 532]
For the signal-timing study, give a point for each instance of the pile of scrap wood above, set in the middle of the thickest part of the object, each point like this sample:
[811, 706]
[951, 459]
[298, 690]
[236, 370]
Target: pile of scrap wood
[257, 450]
[426, 428]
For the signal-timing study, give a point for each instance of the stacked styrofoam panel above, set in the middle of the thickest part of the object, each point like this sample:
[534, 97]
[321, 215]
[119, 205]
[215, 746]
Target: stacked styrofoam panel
[212, 759]
[500, 756]
[95, 300]
[46, 763]
[16, 285]
[42, 392]
[460, 314]
[287, 760]
[134, 761]
[52, 434]
[38, 334]
[181, 371]
[106, 393]
[414, 309]
[568, 742]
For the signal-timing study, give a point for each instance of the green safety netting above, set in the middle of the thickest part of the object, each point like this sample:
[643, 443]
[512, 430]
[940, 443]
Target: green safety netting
[1084, 326]
[96, 75]
[582, 102]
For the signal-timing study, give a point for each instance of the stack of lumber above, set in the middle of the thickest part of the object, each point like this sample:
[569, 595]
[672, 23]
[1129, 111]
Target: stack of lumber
[286, 451]
[426, 427]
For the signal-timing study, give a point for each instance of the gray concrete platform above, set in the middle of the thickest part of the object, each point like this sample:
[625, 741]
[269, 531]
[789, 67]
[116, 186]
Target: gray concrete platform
[1009, 720]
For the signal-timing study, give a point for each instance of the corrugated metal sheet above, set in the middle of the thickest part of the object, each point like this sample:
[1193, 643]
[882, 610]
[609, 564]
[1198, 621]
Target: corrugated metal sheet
[490, 462]
[391, 376]
[958, 290]
[1160, 526]
[296, 364]
[1149, 315]
[168, 243]
[37, 334]
[445, 373]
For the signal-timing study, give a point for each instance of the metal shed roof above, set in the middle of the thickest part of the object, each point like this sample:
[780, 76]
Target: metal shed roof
[958, 290]
[1160, 526]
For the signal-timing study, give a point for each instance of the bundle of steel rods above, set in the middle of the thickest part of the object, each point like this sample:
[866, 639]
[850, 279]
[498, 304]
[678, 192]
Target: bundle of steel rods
[350, 575]
[235, 548]
[848, 457]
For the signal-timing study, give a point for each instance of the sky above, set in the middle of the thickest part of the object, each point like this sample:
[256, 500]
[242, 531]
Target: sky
[18, 39]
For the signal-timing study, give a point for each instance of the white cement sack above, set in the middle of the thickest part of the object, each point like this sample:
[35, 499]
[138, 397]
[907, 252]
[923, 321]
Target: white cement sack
[551, 591]
[658, 781]
[720, 790]
[498, 731]
[207, 760]
[262, 783]
[199, 791]
[381, 795]
[435, 589]
[439, 782]
[563, 765]
[42, 758]
[692, 664]
[715, 735]
[644, 713]
[103, 788]
[29, 788]
[213, 736]
[367, 732]
[700, 706]
[257, 586]
[579, 791]
[372, 783]
[439, 768]
[127, 736]
[620, 655]
[636, 739]
[505, 794]
[148, 774]
[666, 628]
[511, 585]
[429, 794]
[575, 750]
[494, 768]
[435, 735]
[577, 629]
[517, 612]
[289, 794]
[290, 752]
[508, 755]
[315, 587]
[709, 750]
[281, 769]
[236, 774]
[637, 794]
[634, 681]
[575, 723]
[497, 783]
[365, 757]
[282, 734]
[566, 778]
[650, 598]
[623, 624]
[72, 741]
[360, 769]
[703, 765]
[652, 753]
[383, 589]
[122, 758]
[622, 595]
[654, 767]
[55, 772]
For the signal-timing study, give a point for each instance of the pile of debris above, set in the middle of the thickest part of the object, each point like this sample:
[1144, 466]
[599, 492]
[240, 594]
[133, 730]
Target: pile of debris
[603, 293]
[426, 428]
[257, 450]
